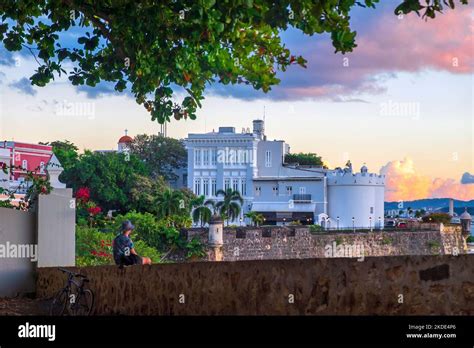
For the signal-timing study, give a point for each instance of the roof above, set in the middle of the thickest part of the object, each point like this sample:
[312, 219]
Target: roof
[465, 215]
[125, 139]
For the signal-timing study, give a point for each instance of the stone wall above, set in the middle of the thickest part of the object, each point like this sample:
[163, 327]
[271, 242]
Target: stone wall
[401, 285]
[298, 242]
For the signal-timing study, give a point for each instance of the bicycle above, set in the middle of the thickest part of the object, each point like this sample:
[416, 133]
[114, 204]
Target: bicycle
[79, 302]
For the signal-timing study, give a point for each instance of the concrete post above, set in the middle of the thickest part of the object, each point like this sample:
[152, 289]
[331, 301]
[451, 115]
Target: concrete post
[56, 229]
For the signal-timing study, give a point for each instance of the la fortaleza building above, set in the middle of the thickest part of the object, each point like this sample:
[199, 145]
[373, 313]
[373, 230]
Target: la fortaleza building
[249, 163]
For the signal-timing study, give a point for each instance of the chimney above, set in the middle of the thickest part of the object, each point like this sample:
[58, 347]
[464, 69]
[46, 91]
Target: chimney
[259, 128]
[451, 207]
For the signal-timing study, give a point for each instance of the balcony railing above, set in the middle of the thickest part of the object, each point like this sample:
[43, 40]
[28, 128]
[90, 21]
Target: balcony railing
[302, 198]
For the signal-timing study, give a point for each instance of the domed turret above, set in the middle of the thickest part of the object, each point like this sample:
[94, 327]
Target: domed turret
[124, 142]
[364, 170]
[466, 222]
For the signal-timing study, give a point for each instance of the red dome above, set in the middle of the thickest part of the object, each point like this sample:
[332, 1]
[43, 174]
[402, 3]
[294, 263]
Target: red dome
[125, 139]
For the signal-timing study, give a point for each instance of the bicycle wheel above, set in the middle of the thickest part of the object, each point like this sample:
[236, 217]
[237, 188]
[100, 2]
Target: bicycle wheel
[58, 305]
[85, 302]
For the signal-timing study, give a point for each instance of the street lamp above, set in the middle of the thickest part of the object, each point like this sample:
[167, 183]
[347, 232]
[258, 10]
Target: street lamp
[337, 222]
[353, 224]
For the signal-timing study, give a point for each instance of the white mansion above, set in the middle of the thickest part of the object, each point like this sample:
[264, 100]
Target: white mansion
[249, 163]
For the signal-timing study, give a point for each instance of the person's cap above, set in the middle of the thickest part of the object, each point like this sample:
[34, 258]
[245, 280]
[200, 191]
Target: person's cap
[127, 225]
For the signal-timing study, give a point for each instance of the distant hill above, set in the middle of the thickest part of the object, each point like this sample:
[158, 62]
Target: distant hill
[441, 204]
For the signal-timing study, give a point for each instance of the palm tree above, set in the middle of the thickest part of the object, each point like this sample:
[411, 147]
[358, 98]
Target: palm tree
[255, 217]
[230, 206]
[201, 212]
[169, 202]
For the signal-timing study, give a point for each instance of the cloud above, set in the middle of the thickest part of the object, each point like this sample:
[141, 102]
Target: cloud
[467, 178]
[404, 183]
[102, 89]
[6, 57]
[23, 85]
[387, 46]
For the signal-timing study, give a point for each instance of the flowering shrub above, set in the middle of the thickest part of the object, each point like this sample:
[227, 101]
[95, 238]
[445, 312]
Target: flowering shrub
[87, 210]
[83, 194]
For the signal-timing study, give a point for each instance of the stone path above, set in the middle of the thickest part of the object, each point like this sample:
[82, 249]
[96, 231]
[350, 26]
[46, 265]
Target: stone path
[23, 306]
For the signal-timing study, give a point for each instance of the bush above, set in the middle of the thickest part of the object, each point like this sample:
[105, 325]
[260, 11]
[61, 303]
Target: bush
[315, 228]
[470, 239]
[437, 218]
[93, 248]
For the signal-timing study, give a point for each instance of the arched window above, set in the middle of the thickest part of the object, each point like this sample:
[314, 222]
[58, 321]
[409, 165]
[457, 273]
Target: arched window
[24, 165]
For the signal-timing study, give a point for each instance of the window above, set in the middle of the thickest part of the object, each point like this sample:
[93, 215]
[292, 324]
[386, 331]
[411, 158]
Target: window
[213, 187]
[205, 187]
[268, 159]
[197, 187]
[275, 190]
[206, 157]
[185, 179]
[42, 167]
[213, 157]
[371, 210]
[245, 157]
[235, 184]
[243, 191]
[24, 165]
[289, 190]
[226, 184]
[197, 157]
[258, 190]
[302, 190]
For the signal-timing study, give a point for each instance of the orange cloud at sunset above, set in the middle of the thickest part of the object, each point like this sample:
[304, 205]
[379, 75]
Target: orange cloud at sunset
[404, 183]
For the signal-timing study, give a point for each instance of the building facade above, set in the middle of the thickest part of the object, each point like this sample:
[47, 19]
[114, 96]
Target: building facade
[249, 163]
[19, 158]
[24, 158]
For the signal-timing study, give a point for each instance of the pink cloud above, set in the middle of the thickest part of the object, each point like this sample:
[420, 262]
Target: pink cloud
[387, 45]
[403, 182]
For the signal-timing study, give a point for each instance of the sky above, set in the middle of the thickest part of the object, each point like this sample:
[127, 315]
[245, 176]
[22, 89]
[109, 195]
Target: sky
[401, 103]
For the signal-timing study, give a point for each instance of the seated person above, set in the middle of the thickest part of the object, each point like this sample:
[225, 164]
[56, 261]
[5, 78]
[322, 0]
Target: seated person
[124, 253]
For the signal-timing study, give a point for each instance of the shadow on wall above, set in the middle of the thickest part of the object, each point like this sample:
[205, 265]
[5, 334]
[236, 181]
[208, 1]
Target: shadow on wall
[402, 285]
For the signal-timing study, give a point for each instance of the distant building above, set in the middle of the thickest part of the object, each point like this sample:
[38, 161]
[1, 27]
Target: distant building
[26, 157]
[124, 143]
[19, 158]
[249, 163]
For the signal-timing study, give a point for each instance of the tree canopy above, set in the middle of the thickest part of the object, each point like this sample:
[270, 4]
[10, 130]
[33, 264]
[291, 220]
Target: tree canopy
[159, 48]
[66, 152]
[161, 154]
[111, 177]
[304, 159]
